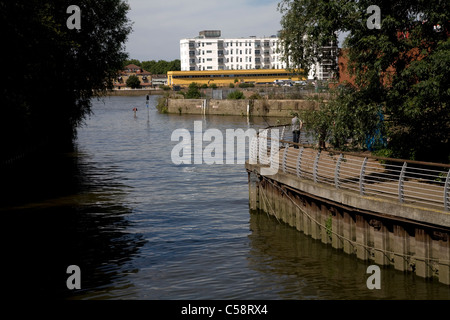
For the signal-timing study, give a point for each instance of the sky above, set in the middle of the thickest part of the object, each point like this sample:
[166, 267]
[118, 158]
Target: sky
[159, 25]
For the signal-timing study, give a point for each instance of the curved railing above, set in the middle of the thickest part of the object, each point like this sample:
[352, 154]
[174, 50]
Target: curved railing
[420, 183]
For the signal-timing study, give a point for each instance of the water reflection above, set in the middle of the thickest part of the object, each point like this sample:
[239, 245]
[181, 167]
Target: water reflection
[300, 268]
[63, 210]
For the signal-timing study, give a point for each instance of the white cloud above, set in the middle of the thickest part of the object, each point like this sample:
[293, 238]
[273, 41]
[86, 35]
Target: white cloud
[159, 25]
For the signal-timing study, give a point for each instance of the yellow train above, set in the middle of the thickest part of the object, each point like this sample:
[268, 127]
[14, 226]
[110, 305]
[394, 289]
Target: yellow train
[226, 77]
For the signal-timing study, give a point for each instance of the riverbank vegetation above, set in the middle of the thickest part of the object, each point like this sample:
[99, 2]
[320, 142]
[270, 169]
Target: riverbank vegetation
[156, 67]
[52, 71]
[398, 100]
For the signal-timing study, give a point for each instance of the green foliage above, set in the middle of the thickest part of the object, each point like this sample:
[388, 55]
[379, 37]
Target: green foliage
[53, 72]
[133, 82]
[131, 61]
[236, 95]
[329, 226]
[255, 96]
[162, 104]
[246, 85]
[193, 91]
[156, 67]
[402, 68]
[161, 66]
[346, 121]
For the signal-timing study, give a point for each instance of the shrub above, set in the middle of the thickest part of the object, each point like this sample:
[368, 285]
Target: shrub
[236, 95]
[133, 82]
[255, 96]
[246, 85]
[193, 91]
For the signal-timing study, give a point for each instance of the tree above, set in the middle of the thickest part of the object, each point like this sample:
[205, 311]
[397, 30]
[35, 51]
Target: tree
[59, 69]
[133, 82]
[346, 121]
[401, 69]
[161, 66]
[132, 61]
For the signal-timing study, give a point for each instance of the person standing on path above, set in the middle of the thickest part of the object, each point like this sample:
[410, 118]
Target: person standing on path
[297, 126]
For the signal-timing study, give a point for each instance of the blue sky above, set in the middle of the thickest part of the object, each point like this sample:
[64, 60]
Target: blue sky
[159, 25]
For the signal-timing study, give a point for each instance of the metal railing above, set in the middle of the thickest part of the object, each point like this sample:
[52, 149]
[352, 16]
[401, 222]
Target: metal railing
[412, 182]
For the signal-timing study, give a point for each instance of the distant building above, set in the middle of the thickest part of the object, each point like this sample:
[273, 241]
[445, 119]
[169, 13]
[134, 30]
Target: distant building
[210, 52]
[159, 80]
[226, 77]
[144, 76]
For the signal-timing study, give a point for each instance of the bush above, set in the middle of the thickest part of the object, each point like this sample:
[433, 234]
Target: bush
[236, 95]
[133, 82]
[255, 96]
[246, 85]
[193, 91]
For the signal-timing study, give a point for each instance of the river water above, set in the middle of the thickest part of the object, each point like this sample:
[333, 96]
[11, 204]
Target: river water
[140, 227]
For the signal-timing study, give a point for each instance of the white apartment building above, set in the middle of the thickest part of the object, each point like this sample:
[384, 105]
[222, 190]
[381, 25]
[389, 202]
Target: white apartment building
[209, 51]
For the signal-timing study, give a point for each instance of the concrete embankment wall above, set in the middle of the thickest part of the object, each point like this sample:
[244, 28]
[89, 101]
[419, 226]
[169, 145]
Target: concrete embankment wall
[244, 107]
[371, 229]
[134, 93]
